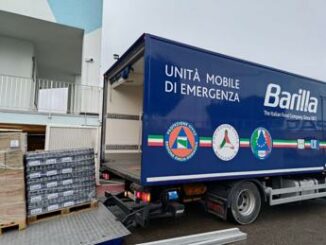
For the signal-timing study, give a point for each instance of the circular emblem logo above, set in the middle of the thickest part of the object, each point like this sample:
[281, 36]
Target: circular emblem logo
[261, 143]
[225, 142]
[181, 141]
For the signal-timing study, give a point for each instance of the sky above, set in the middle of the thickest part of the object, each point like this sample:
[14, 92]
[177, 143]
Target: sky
[288, 35]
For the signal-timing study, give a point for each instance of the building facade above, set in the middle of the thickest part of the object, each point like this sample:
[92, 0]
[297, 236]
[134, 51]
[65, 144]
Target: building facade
[50, 81]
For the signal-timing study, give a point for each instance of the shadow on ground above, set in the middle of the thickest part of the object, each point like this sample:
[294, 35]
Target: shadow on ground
[296, 223]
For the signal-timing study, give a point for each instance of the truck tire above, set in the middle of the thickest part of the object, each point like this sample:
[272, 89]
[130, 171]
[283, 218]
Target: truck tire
[245, 203]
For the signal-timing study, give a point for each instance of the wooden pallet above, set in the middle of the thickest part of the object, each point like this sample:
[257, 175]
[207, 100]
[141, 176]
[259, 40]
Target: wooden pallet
[62, 212]
[14, 225]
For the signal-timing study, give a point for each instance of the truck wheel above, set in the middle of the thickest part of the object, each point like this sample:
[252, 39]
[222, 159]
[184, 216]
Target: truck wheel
[245, 203]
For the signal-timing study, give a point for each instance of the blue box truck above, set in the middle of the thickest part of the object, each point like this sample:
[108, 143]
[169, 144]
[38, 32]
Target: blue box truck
[183, 124]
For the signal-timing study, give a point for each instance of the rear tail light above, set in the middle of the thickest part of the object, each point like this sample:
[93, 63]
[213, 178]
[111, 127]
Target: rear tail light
[146, 197]
[143, 196]
[138, 194]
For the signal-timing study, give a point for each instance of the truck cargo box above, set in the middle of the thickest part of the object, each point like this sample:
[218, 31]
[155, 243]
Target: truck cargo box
[174, 113]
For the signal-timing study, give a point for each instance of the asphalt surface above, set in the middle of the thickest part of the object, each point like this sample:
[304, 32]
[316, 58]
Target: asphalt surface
[296, 223]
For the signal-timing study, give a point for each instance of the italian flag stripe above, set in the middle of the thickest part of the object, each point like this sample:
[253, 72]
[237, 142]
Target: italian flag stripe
[284, 146]
[244, 142]
[205, 141]
[285, 143]
[322, 144]
[155, 140]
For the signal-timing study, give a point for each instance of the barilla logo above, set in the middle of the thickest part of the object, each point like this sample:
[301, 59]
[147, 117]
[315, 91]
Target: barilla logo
[300, 101]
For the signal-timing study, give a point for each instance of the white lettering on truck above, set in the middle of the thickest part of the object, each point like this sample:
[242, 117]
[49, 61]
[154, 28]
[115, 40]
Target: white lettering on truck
[301, 101]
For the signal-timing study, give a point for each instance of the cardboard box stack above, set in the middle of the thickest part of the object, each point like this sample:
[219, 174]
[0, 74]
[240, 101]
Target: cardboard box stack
[12, 185]
[59, 179]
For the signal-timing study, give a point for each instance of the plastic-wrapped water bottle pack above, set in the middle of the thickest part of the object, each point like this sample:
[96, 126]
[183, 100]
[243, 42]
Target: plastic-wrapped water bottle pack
[59, 179]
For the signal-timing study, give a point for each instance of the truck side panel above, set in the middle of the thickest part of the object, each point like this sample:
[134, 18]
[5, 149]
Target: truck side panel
[208, 117]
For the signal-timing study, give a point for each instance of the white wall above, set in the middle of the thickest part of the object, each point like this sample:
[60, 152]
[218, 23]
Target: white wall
[288, 35]
[91, 97]
[16, 57]
[92, 49]
[16, 69]
[50, 73]
[40, 9]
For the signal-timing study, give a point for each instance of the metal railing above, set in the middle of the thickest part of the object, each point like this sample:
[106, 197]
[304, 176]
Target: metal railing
[44, 95]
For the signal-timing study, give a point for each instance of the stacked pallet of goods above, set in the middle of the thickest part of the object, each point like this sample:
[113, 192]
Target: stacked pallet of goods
[57, 180]
[12, 191]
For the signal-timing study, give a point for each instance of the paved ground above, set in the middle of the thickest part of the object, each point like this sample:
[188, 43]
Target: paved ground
[299, 223]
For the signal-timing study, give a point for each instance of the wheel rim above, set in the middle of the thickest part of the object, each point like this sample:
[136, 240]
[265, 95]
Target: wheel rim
[246, 202]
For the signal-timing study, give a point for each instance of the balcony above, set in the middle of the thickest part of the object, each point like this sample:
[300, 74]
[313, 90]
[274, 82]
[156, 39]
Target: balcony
[48, 96]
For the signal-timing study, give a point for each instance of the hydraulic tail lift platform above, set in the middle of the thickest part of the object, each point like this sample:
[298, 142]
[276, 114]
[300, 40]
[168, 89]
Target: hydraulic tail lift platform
[96, 226]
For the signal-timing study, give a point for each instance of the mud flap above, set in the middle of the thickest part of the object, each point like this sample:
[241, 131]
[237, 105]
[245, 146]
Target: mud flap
[217, 205]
